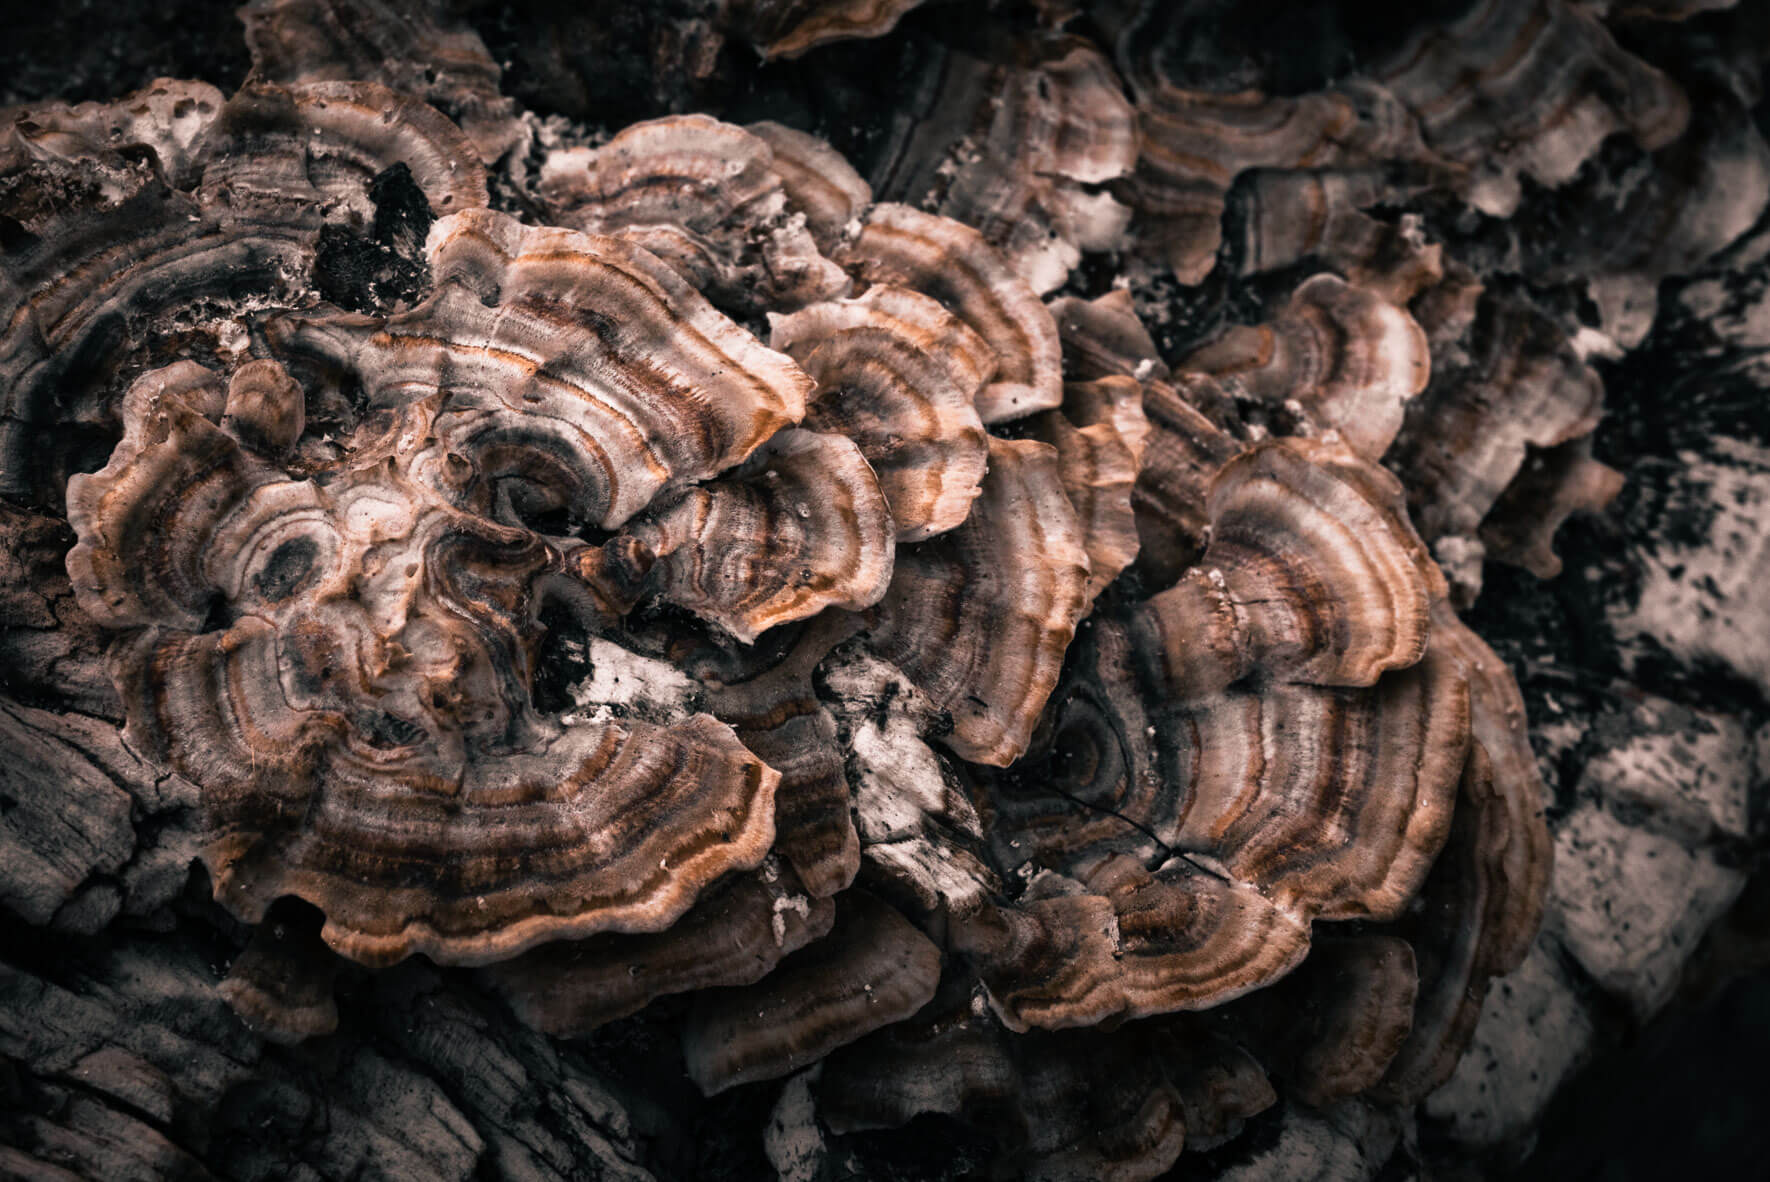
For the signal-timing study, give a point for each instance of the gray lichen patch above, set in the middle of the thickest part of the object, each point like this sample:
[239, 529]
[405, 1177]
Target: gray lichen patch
[1682, 772]
[1631, 905]
[1705, 592]
[898, 780]
[622, 682]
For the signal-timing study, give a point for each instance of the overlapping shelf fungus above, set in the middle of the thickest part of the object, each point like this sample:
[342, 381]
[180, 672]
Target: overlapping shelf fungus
[667, 569]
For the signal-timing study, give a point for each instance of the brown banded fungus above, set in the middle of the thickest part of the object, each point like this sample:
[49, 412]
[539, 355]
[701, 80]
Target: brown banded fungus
[1508, 88]
[398, 43]
[1022, 150]
[1346, 358]
[1523, 390]
[899, 374]
[1527, 87]
[947, 693]
[1195, 144]
[357, 723]
[1269, 772]
[703, 196]
[227, 221]
[287, 151]
[1507, 113]
[952, 263]
[790, 28]
[1287, 217]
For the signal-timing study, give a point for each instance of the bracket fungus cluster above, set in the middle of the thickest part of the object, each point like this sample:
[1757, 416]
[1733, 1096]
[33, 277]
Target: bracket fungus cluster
[666, 573]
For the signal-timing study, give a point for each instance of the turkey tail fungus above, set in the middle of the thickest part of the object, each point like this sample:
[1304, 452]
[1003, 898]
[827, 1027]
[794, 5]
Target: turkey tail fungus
[897, 616]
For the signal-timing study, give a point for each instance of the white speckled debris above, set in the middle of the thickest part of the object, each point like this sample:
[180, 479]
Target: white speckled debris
[652, 688]
[905, 807]
[1346, 1143]
[1534, 1033]
[1687, 773]
[793, 1142]
[1631, 905]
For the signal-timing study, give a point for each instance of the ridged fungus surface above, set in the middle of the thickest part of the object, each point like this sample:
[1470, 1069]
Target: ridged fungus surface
[665, 571]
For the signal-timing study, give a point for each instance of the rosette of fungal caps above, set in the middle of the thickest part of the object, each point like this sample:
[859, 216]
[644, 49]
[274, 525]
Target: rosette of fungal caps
[724, 595]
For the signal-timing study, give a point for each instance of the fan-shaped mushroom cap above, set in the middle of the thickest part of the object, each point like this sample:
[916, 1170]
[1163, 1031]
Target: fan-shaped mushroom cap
[1304, 802]
[1499, 725]
[1190, 432]
[171, 116]
[1348, 357]
[1313, 574]
[801, 526]
[1286, 217]
[1066, 1105]
[734, 935]
[1195, 144]
[818, 181]
[1564, 83]
[1453, 941]
[1187, 437]
[361, 730]
[1446, 310]
[284, 152]
[79, 298]
[1468, 436]
[265, 409]
[175, 477]
[1483, 903]
[1140, 765]
[766, 695]
[790, 28]
[1220, 1084]
[51, 167]
[1331, 1028]
[589, 352]
[1103, 337]
[1664, 216]
[282, 983]
[1551, 487]
[1079, 125]
[1527, 87]
[979, 617]
[1012, 150]
[394, 42]
[951, 1057]
[1344, 818]
[665, 177]
[1106, 1111]
[1099, 436]
[952, 263]
[898, 374]
[742, 927]
[1121, 942]
[1235, 916]
[404, 857]
[1183, 453]
[871, 970]
[1092, 783]
[705, 197]
[1286, 799]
